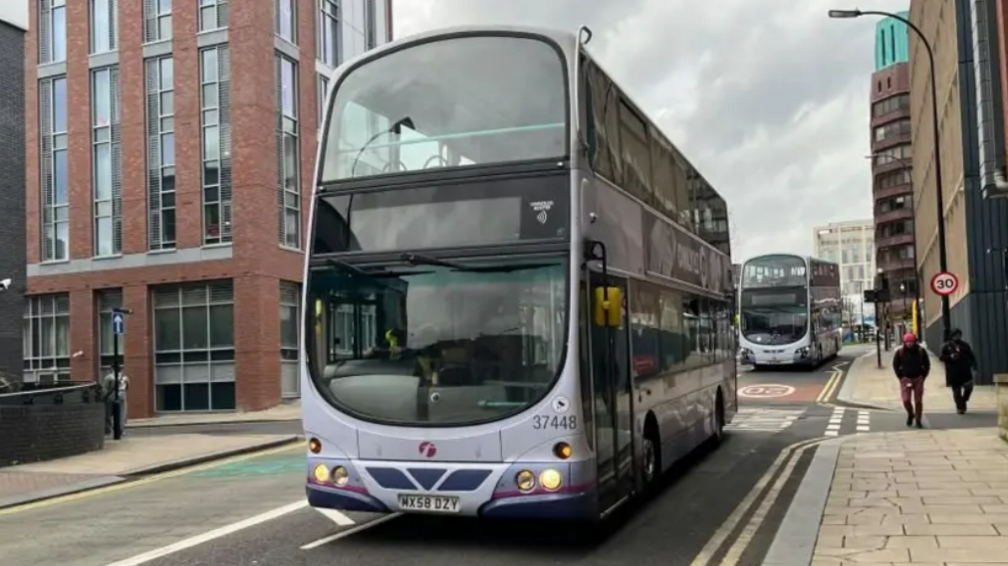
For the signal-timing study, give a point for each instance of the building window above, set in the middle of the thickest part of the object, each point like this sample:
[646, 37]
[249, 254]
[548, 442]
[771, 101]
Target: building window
[157, 20]
[288, 178]
[52, 31]
[329, 32]
[381, 30]
[894, 179]
[899, 153]
[46, 338]
[370, 25]
[323, 94]
[104, 25]
[891, 104]
[194, 347]
[893, 129]
[106, 301]
[106, 161]
[54, 165]
[290, 330]
[161, 153]
[285, 17]
[213, 14]
[215, 76]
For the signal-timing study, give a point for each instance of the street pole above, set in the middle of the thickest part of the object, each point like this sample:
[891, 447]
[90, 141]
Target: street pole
[940, 204]
[117, 406]
[878, 337]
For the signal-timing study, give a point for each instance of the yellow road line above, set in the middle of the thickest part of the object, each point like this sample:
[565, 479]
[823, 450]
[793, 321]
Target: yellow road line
[827, 389]
[836, 385]
[734, 553]
[129, 484]
[721, 535]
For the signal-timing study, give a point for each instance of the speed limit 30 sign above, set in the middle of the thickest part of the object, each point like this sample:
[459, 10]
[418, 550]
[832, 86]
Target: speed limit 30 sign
[944, 283]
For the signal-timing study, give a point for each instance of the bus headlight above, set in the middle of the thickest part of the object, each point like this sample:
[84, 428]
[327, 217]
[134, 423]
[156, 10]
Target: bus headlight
[321, 473]
[340, 476]
[525, 480]
[550, 480]
[803, 352]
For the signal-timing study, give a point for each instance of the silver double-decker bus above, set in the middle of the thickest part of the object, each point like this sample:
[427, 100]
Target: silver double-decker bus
[517, 293]
[791, 309]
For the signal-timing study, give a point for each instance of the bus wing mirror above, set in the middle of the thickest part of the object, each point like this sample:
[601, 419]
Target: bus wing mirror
[608, 312]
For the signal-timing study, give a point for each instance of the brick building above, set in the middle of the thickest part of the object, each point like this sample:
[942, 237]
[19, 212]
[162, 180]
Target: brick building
[13, 22]
[177, 185]
[891, 170]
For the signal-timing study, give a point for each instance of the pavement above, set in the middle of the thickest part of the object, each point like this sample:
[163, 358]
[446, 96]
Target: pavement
[871, 386]
[151, 446]
[931, 497]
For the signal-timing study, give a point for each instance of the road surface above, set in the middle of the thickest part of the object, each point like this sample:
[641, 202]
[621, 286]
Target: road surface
[719, 507]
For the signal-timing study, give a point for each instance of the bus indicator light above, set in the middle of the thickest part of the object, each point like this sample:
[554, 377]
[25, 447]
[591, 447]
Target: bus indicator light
[314, 446]
[563, 450]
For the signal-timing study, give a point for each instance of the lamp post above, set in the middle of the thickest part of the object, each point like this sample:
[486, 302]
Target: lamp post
[940, 203]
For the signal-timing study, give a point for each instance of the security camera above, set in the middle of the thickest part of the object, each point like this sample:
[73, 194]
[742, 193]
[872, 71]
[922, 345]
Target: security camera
[6, 283]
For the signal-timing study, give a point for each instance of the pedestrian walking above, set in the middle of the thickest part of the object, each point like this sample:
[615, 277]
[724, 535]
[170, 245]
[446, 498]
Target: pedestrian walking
[960, 363]
[912, 366]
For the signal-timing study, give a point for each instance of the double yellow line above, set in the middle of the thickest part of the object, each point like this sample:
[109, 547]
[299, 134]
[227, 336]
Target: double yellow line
[830, 388]
[788, 460]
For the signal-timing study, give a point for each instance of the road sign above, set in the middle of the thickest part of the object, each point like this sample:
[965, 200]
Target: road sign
[118, 322]
[944, 283]
[766, 391]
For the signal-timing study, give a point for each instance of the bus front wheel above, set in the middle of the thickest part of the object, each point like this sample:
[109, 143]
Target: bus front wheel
[652, 454]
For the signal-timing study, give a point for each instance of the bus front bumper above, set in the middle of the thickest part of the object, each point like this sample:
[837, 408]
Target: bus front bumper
[490, 492]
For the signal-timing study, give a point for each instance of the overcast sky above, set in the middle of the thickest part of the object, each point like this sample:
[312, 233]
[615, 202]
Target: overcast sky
[768, 98]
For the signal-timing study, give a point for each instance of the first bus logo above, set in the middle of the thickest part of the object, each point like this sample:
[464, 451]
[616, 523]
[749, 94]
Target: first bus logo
[427, 449]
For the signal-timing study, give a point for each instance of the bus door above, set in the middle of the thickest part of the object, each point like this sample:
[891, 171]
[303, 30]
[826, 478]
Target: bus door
[613, 422]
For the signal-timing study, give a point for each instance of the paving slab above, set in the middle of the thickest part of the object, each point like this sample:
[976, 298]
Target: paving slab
[926, 515]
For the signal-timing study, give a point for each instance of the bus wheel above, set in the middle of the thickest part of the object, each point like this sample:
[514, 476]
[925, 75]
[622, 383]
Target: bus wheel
[652, 455]
[719, 418]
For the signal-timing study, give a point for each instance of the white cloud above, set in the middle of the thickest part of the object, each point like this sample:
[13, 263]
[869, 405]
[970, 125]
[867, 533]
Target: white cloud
[768, 98]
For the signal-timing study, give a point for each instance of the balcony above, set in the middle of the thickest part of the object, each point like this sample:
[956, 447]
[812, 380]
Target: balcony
[889, 164]
[889, 117]
[895, 191]
[897, 240]
[905, 213]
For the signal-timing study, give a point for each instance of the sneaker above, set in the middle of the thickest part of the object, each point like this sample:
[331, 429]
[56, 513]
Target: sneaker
[910, 420]
[919, 424]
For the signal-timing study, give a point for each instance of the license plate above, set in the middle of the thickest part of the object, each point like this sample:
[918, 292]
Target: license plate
[429, 503]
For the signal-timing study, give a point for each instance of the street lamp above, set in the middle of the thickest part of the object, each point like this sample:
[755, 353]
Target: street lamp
[940, 204]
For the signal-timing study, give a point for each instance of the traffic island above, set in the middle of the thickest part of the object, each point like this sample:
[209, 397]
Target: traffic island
[1001, 385]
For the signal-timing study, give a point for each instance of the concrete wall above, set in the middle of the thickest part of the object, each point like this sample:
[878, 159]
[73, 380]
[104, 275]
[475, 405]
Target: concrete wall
[12, 192]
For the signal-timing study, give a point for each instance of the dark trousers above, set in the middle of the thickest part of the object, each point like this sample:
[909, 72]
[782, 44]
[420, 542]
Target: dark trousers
[961, 394]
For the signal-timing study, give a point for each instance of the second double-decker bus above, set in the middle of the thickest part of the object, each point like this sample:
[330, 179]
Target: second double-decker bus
[517, 293]
[790, 309]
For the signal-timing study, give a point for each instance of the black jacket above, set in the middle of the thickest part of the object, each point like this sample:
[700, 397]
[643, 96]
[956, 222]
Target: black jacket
[911, 362]
[959, 362]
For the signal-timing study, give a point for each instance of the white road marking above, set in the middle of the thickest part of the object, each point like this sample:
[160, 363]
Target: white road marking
[336, 517]
[348, 532]
[211, 535]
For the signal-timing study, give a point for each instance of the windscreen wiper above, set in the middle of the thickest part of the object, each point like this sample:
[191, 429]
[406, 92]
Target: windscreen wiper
[422, 259]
